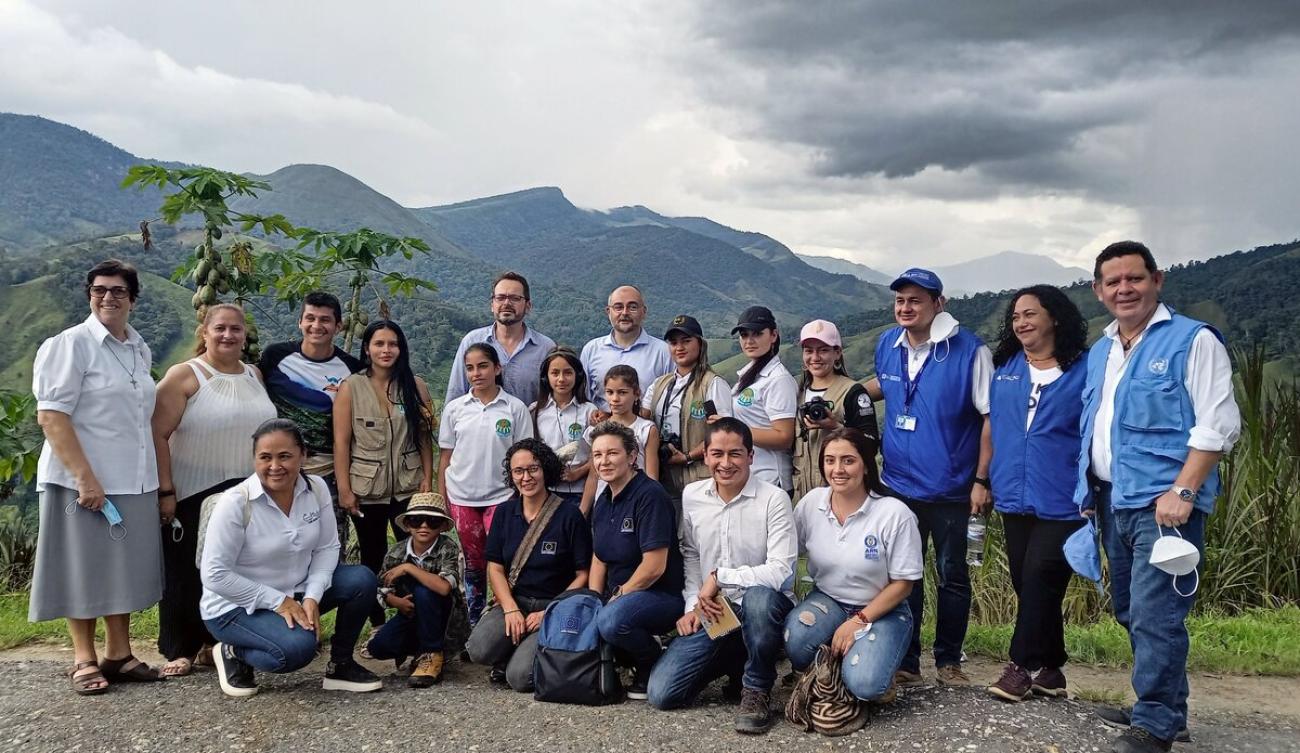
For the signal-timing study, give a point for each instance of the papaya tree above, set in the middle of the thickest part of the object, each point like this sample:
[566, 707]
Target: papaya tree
[20, 440]
[239, 270]
[357, 256]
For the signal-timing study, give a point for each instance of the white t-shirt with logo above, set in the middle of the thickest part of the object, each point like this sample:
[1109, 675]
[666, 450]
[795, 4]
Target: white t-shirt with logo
[562, 429]
[852, 563]
[772, 397]
[479, 436]
[1038, 379]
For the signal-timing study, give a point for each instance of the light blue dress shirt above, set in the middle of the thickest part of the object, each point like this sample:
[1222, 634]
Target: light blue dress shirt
[520, 372]
[648, 355]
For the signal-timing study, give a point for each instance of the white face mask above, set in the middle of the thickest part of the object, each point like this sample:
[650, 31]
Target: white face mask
[1176, 556]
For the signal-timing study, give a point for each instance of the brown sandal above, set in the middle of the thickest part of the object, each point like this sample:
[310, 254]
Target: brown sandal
[141, 672]
[204, 658]
[88, 683]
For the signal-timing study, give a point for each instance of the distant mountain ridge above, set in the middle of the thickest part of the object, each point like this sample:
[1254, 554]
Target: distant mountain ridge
[846, 267]
[1008, 270]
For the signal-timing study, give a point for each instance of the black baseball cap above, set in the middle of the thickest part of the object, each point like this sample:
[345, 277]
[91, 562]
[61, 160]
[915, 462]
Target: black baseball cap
[686, 325]
[755, 319]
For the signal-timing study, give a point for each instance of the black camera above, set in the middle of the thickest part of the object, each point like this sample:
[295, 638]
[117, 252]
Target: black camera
[667, 443]
[817, 409]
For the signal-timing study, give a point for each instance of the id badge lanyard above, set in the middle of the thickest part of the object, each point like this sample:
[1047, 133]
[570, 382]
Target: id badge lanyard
[906, 421]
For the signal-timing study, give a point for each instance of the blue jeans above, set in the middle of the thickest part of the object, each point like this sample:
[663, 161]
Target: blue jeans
[263, 640]
[869, 666]
[945, 523]
[693, 661]
[630, 623]
[1150, 610]
[421, 633]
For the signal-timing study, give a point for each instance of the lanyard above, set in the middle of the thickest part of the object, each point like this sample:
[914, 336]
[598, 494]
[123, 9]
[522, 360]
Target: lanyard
[910, 385]
[669, 397]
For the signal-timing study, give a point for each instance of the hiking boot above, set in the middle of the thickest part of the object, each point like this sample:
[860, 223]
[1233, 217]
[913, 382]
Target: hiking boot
[234, 674]
[428, 670]
[637, 688]
[350, 676]
[1122, 717]
[951, 674]
[1050, 682]
[889, 696]
[905, 679]
[497, 676]
[1014, 685]
[755, 715]
[1138, 740]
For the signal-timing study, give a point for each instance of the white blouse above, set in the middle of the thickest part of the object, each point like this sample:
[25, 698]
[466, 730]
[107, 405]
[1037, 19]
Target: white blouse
[103, 384]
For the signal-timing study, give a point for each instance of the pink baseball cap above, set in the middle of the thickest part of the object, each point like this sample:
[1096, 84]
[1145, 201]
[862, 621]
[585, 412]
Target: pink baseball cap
[820, 329]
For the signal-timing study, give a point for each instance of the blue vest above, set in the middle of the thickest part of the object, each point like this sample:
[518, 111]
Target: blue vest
[1153, 418]
[1032, 470]
[935, 462]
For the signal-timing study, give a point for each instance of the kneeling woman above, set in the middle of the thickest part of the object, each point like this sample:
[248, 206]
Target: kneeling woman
[271, 568]
[538, 548]
[636, 565]
[864, 554]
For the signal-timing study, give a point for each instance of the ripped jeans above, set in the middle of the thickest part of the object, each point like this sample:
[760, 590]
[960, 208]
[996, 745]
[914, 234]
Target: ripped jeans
[868, 668]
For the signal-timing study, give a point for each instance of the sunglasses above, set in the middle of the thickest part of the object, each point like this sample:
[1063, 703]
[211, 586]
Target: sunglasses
[419, 521]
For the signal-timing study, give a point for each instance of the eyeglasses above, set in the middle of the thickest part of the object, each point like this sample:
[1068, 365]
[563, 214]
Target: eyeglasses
[528, 470]
[419, 521]
[630, 308]
[117, 291]
[503, 298]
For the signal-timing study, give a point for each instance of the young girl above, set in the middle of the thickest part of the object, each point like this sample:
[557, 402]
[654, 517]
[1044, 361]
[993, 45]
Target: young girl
[477, 429]
[765, 396]
[560, 415]
[623, 394]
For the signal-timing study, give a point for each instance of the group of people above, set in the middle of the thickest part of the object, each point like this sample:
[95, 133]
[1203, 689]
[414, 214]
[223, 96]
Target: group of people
[632, 469]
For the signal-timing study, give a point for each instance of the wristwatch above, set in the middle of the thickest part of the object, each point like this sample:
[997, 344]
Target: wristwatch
[1185, 494]
[983, 482]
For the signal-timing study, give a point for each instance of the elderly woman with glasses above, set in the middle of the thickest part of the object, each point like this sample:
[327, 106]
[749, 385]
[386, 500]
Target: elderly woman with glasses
[538, 547]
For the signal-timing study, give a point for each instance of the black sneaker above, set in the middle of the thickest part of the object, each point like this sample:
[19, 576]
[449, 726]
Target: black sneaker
[755, 715]
[497, 677]
[1138, 740]
[637, 688]
[350, 676]
[235, 675]
[1121, 718]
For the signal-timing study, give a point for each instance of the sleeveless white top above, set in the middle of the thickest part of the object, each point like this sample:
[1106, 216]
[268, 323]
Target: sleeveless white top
[214, 440]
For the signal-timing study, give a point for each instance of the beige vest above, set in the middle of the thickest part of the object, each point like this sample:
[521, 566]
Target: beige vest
[808, 446]
[379, 445]
[694, 426]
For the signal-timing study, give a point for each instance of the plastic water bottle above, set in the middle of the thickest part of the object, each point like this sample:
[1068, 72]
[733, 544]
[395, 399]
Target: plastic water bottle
[975, 541]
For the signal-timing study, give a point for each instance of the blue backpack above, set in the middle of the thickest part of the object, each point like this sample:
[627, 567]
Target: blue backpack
[572, 664]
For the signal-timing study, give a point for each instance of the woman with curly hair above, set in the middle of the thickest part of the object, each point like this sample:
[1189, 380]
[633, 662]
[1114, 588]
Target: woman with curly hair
[1035, 402]
[537, 548]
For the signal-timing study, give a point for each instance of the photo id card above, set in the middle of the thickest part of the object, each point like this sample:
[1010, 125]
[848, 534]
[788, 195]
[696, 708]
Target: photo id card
[905, 423]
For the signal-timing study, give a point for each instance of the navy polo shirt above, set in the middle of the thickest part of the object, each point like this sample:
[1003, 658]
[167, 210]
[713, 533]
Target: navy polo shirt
[640, 519]
[563, 549]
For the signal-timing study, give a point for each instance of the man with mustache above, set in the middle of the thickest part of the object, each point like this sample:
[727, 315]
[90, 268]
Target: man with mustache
[627, 342]
[520, 347]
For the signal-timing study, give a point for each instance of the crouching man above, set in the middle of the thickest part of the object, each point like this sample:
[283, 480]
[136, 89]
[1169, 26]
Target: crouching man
[738, 543]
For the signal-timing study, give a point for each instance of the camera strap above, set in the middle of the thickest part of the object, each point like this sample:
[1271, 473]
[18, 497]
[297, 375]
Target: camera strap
[669, 397]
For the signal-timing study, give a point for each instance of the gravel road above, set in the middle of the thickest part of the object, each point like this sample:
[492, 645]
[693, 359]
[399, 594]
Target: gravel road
[38, 713]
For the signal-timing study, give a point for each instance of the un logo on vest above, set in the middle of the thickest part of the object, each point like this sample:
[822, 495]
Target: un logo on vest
[697, 410]
[745, 398]
[503, 427]
[1158, 365]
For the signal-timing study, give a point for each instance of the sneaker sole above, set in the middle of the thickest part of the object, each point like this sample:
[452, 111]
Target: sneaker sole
[997, 692]
[754, 730]
[1050, 692]
[352, 687]
[635, 695]
[1183, 736]
[219, 662]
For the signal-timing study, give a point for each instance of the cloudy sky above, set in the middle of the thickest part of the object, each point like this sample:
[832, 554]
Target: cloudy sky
[888, 133]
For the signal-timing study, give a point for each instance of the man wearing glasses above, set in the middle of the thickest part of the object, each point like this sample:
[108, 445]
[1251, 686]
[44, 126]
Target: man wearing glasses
[627, 342]
[520, 347]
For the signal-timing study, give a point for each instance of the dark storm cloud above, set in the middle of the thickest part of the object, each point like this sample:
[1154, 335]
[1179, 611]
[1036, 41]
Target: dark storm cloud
[1014, 90]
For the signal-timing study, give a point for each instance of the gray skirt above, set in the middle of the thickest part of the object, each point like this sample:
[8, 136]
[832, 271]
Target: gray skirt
[84, 570]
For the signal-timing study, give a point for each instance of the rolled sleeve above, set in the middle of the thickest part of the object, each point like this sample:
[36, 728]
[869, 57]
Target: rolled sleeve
[57, 376]
[981, 379]
[1209, 385]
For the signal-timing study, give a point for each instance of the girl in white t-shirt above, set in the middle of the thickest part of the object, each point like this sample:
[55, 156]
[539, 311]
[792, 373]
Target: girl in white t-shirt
[476, 430]
[864, 555]
[766, 397]
[560, 416]
[623, 394]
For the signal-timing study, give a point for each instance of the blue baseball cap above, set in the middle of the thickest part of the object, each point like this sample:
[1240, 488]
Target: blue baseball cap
[922, 278]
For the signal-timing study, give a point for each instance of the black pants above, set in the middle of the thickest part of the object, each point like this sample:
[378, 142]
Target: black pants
[1040, 575]
[372, 539]
[181, 632]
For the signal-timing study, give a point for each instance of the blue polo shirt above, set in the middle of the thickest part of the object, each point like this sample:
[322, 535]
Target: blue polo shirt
[640, 519]
[564, 548]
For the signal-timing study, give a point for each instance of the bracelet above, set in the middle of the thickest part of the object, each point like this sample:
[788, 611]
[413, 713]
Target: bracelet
[516, 610]
[859, 618]
[166, 493]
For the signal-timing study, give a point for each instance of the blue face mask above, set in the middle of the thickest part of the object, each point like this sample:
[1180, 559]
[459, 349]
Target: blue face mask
[1081, 551]
[116, 529]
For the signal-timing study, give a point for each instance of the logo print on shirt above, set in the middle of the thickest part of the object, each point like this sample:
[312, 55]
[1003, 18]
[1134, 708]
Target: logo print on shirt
[548, 547]
[1158, 365]
[627, 526]
[503, 427]
[872, 547]
[864, 401]
[697, 410]
[746, 397]
[311, 517]
[332, 384]
[575, 432]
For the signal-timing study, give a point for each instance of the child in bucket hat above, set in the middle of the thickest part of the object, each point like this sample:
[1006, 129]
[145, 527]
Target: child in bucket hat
[421, 578]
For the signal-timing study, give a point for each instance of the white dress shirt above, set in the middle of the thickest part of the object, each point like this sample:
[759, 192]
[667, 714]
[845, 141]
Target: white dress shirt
[943, 327]
[749, 541]
[1208, 382]
[103, 385]
[275, 556]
